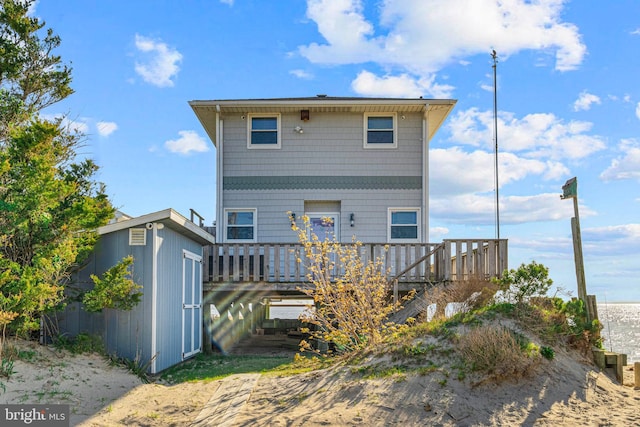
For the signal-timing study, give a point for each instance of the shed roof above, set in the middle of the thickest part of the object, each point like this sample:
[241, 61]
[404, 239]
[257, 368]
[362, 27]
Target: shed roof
[167, 217]
[437, 109]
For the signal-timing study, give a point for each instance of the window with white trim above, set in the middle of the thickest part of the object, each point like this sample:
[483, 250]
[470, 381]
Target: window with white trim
[263, 131]
[404, 225]
[240, 225]
[380, 130]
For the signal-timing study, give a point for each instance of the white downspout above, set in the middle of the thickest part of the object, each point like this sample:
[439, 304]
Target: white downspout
[425, 176]
[154, 293]
[219, 178]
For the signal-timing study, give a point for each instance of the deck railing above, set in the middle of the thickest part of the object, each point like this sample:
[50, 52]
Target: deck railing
[451, 260]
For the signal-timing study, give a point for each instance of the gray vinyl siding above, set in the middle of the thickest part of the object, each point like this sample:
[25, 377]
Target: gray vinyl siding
[169, 296]
[369, 207]
[123, 332]
[128, 334]
[331, 145]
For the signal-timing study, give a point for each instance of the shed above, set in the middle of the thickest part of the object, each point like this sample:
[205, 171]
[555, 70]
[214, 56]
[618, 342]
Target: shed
[165, 328]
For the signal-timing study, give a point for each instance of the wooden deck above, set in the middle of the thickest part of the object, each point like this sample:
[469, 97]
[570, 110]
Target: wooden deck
[274, 266]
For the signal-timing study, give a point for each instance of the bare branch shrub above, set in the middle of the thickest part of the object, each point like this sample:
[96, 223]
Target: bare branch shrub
[351, 296]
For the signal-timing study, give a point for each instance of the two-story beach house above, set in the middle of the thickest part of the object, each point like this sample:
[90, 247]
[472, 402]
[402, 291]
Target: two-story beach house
[363, 162]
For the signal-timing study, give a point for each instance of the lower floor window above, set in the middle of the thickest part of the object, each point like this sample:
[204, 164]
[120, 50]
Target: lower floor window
[240, 224]
[403, 224]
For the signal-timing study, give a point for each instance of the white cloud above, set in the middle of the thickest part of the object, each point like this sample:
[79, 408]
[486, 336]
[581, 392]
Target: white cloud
[638, 110]
[79, 125]
[612, 239]
[422, 36]
[106, 128]
[626, 166]
[404, 85]
[479, 176]
[301, 74]
[32, 8]
[188, 142]
[539, 135]
[513, 209]
[585, 100]
[229, 2]
[158, 64]
[437, 233]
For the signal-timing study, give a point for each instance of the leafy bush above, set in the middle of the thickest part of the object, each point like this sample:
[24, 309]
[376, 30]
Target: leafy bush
[547, 352]
[531, 280]
[115, 290]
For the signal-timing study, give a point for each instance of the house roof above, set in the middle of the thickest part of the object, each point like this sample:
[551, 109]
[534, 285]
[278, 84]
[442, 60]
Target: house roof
[167, 217]
[437, 109]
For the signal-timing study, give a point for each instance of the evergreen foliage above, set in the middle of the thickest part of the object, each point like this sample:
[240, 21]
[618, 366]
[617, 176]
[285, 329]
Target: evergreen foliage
[50, 204]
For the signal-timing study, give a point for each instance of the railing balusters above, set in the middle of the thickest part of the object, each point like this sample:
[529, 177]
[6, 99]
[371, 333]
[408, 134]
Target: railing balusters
[454, 259]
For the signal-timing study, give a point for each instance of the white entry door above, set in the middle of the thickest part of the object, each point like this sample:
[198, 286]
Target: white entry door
[325, 225]
[191, 304]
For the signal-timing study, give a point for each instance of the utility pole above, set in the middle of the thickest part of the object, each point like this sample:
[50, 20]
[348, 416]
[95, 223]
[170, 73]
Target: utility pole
[494, 55]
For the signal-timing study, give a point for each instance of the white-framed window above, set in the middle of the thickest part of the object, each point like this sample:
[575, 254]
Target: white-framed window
[240, 225]
[263, 131]
[380, 130]
[404, 225]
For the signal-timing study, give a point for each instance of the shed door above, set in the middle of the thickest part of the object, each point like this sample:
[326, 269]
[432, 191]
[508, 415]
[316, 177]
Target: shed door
[191, 303]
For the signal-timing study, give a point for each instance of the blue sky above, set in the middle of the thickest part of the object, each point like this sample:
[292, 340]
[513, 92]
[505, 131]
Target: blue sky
[568, 105]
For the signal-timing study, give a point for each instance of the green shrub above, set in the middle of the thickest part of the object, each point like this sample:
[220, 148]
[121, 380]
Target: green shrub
[547, 352]
[531, 280]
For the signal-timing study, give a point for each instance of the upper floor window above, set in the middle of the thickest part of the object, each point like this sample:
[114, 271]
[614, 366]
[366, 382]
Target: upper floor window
[240, 225]
[380, 130]
[263, 131]
[404, 225]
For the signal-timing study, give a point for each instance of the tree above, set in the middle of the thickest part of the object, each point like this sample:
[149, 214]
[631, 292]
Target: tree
[50, 205]
[31, 76]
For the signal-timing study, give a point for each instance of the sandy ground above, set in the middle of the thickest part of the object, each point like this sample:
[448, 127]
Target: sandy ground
[564, 392]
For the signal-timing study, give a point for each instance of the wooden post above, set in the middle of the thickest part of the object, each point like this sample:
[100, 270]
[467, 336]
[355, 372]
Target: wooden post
[570, 191]
[636, 372]
[620, 368]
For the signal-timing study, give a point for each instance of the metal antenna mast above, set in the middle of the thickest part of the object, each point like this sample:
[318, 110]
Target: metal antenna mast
[494, 55]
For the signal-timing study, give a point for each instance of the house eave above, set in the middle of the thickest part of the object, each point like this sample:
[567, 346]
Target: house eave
[205, 110]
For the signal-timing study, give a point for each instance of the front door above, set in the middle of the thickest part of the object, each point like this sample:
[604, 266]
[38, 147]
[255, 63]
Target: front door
[325, 225]
[191, 304]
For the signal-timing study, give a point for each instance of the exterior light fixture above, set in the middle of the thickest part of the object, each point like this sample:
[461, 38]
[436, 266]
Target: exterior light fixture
[298, 129]
[304, 115]
[352, 219]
